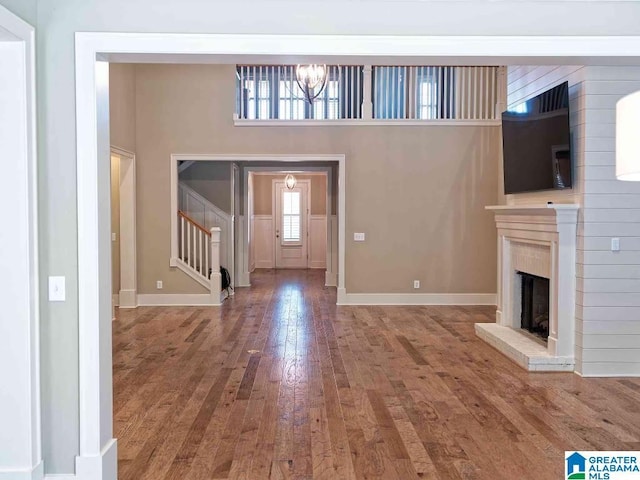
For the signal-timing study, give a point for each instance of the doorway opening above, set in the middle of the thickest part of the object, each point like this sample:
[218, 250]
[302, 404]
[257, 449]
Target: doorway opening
[288, 224]
[297, 227]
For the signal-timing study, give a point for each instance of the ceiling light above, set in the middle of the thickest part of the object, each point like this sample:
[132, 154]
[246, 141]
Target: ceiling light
[290, 181]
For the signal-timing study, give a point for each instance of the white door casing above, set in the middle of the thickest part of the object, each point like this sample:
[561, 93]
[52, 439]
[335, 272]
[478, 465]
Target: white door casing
[20, 431]
[127, 296]
[292, 251]
[94, 364]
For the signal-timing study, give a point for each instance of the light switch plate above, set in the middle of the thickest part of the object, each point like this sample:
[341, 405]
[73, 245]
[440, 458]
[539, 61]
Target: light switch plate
[57, 290]
[114, 237]
[615, 244]
[358, 237]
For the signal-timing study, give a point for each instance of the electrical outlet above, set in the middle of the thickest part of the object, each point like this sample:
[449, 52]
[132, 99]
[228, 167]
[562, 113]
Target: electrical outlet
[159, 284]
[358, 237]
[416, 284]
[615, 244]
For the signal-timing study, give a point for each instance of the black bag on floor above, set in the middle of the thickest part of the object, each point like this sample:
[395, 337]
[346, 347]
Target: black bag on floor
[226, 278]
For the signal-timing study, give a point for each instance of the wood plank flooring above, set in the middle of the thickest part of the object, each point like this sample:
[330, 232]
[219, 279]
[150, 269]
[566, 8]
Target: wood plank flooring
[281, 384]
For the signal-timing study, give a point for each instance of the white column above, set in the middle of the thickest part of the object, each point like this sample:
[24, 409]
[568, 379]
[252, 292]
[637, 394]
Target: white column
[216, 278]
[367, 104]
[566, 278]
[20, 450]
[501, 102]
[98, 448]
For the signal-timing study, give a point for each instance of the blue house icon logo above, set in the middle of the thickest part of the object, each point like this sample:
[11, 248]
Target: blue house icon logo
[576, 467]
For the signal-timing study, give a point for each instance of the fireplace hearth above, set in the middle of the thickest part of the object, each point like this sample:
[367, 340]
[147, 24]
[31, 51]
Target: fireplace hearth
[534, 316]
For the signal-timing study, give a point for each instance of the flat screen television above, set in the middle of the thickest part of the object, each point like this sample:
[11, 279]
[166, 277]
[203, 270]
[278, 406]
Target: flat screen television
[537, 144]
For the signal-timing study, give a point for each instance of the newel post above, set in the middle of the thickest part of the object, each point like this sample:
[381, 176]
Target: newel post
[367, 104]
[216, 278]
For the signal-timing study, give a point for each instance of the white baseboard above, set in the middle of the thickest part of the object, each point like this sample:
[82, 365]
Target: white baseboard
[317, 264]
[415, 298]
[36, 473]
[171, 299]
[330, 279]
[243, 279]
[99, 467]
[128, 299]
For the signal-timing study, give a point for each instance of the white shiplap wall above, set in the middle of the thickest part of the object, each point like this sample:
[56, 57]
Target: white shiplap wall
[607, 283]
[609, 287]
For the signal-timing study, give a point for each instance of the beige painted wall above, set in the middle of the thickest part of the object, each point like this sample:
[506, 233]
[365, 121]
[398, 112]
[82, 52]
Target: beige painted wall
[122, 105]
[263, 195]
[212, 180]
[417, 192]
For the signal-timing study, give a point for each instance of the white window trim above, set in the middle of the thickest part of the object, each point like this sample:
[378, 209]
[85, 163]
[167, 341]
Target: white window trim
[238, 122]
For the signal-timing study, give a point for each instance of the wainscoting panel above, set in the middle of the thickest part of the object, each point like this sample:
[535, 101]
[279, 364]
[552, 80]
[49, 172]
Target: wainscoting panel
[317, 241]
[263, 240]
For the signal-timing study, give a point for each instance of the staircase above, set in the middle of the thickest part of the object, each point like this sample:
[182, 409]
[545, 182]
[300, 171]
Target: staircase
[205, 241]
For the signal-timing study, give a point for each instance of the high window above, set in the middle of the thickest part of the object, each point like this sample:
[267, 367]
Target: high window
[270, 92]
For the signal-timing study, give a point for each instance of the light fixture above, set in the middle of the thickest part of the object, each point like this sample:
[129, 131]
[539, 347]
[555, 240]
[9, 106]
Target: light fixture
[628, 137]
[311, 79]
[290, 181]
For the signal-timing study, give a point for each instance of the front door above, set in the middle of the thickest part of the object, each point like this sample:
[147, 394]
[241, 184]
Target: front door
[291, 210]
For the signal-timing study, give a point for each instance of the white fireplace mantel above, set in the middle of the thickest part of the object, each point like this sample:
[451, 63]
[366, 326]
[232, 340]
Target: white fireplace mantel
[540, 240]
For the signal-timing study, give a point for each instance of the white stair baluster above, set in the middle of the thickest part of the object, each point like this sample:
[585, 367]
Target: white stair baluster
[200, 251]
[182, 236]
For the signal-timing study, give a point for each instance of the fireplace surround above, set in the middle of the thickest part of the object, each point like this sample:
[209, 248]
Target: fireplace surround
[539, 241]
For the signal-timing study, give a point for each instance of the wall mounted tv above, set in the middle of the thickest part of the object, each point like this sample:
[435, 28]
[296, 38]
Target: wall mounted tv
[536, 143]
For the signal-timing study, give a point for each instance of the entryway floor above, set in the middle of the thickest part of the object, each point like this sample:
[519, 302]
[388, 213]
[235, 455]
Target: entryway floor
[280, 383]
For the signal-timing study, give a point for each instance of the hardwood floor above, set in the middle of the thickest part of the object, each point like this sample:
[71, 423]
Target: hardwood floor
[281, 384]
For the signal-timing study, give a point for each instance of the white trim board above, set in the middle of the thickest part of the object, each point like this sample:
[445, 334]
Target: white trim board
[417, 299]
[127, 215]
[36, 473]
[366, 123]
[94, 322]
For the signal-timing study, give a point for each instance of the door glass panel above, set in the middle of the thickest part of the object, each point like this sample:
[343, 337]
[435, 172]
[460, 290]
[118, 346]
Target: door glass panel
[291, 216]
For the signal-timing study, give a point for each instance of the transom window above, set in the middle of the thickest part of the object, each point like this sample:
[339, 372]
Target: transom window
[291, 216]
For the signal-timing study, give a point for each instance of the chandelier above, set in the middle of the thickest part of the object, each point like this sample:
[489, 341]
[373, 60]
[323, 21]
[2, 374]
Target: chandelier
[311, 79]
[290, 181]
